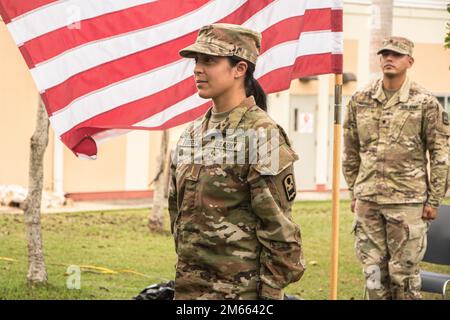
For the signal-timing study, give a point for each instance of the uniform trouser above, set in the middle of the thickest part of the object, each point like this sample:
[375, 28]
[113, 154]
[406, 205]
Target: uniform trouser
[390, 243]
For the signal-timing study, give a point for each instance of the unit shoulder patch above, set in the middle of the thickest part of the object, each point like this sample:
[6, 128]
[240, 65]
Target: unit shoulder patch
[289, 187]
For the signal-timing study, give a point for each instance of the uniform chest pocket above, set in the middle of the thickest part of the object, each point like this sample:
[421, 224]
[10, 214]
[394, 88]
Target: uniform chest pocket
[406, 125]
[189, 187]
[367, 122]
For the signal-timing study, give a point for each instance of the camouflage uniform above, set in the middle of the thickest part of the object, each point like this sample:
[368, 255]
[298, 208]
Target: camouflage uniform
[231, 220]
[232, 223]
[385, 166]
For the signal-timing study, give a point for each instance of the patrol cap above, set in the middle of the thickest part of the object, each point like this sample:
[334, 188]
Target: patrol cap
[397, 44]
[226, 40]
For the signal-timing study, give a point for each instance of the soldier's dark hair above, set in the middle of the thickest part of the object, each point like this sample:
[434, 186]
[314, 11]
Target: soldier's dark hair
[252, 86]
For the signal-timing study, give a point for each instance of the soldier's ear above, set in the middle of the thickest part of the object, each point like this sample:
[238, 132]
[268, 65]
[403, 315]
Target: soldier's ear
[411, 61]
[241, 69]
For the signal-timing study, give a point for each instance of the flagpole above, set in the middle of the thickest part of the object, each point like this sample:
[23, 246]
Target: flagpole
[336, 185]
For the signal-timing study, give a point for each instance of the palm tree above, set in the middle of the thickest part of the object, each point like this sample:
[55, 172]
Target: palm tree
[447, 37]
[380, 28]
[156, 217]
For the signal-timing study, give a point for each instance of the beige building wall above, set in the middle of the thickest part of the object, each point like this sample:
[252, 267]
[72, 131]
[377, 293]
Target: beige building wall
[137, 160]
[154, 146]
[350, 65]
[431, 67]
[18, 107]
[105, 174]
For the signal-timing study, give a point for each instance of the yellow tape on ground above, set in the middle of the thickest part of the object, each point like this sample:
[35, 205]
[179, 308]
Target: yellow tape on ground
[7, 259]
[90, 268]
[101, 269]
[134, 272]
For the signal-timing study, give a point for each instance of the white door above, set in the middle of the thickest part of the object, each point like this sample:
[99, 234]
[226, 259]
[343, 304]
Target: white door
[302, 132]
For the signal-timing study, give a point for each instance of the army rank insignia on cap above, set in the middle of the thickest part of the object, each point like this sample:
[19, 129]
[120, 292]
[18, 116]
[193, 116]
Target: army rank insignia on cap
[289, 187]
[445, 118]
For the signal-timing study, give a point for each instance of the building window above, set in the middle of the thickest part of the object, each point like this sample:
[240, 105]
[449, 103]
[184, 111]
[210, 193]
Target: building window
[444, 100]
[295, 120]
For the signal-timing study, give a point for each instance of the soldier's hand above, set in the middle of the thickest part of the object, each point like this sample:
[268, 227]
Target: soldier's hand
[352, 205]
[429, 213]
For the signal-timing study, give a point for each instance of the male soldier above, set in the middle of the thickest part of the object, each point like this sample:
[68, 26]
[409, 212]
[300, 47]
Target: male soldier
[389, 127]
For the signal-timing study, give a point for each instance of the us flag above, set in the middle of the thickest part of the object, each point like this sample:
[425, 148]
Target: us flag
[103, 67]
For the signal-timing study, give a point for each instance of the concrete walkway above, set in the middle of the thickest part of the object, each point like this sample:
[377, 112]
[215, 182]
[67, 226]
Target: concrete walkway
[82, 206]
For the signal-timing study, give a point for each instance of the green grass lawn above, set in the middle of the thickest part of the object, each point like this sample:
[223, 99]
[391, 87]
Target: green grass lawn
[120, 240]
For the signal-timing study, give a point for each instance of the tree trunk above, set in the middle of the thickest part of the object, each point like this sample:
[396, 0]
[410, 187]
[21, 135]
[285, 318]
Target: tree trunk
[380, 28]
[156, 218]
[37, 273]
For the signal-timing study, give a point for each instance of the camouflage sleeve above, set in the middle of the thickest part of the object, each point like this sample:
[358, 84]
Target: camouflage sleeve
[173, 207]
[437, 131]
[351, 159]
[272, 195]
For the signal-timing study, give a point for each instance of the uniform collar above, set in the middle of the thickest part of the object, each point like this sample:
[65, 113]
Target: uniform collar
[403, 92]
[235, 116]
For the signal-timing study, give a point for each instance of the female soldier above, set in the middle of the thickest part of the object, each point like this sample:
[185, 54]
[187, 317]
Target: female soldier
[231, 219]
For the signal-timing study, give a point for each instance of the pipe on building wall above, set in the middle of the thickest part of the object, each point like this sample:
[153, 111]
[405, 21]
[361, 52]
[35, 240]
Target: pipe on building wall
[278, 108]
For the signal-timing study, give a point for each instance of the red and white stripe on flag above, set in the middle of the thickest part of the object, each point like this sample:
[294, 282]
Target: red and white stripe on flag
[108, 66]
